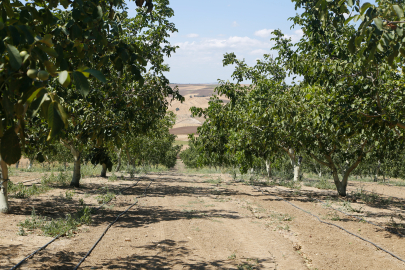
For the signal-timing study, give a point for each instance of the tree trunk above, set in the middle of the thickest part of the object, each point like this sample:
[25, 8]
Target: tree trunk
[119, 161]
[342, 185]
[296, 165]
[104, 170]
[18, 163]
[4, 206]
[268, 168]
[76, 170]
[31, 163]
[129, 163]
[377, 171]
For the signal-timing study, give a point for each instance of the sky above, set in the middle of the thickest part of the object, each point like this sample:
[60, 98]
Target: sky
[210, 28]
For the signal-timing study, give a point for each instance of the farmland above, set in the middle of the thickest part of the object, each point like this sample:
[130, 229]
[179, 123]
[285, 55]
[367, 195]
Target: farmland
[206, 219]
[297, 157]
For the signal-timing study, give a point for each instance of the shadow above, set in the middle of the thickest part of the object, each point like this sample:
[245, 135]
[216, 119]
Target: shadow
[169, 254]
[61, 260]
[306, 196]
[6, 254]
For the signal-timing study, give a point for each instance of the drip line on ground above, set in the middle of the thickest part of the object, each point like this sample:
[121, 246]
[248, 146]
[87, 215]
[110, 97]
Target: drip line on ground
[109, 226]
[356, 217]
[331, 224]
[44, 246]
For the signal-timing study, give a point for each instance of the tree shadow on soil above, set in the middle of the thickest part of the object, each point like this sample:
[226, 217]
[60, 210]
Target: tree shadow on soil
[390, 227]
[170, 254]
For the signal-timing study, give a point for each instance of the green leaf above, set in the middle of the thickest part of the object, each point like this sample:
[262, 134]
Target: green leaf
[399, 11]
[63, 114]
[402, 51]
[349, 20]
[380, 47]
[64, 78]
[391, 58]
[96, 74]
[37, 100]
[14, 56]
[31, 94]
[47, 39]
[351, 46]
[350, 3]
[55, 122]
[98, 13]
[82, 84]
[64, 3]
[364, 7]
[379, 23]
[49, 51]
[10, 149]
[400, 31]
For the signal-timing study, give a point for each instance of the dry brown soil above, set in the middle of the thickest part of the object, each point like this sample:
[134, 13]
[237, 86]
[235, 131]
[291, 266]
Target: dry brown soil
[194, 221]
[195, 95]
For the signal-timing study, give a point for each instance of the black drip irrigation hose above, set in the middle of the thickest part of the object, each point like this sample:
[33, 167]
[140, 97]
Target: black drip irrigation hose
[44, 246]
[356, 217]
[33, 253]
[109, 226]
[331, 224]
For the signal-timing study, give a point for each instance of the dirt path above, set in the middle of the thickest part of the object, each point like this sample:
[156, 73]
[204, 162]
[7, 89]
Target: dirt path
[194, 222]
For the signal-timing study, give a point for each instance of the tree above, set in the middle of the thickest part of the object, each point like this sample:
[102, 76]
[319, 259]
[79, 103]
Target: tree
[155, 146]
[40, 44]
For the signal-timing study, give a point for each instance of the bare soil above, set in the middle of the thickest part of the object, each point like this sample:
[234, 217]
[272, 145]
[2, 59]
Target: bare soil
[184, 130]
[206, 221]
[195, 95]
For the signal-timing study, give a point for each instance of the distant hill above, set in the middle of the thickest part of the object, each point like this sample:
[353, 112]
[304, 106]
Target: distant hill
[196, 95]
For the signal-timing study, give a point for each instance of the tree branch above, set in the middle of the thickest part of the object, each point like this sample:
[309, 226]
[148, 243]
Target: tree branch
[319, 161]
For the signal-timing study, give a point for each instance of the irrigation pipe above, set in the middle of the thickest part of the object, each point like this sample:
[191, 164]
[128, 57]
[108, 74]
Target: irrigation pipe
[109, 226]
[44, 246]
[331, 224]
[350, 215]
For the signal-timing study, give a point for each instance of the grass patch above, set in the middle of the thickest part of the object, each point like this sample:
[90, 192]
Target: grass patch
[69, 194]
[396, 183]
[61, 226]
[370, 198]
[106, 197]
[321, 184]
[214, 181]
[281, 217]
[180, 143]
[204, 170]
[290, 184]
[113, 177]
[348, 207]
[47, 182]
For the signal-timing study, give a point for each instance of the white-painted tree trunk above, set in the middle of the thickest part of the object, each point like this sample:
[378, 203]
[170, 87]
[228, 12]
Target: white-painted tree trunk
[297, 172]
[4, 206]
[31, 163]
[104, 170]
[296, 165]
[268, 168]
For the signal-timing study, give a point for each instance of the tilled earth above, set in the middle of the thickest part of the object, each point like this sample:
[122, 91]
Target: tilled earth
[198, 222]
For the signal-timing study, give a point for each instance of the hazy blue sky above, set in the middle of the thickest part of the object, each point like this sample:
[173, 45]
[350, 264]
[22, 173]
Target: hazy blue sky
[210, 28]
